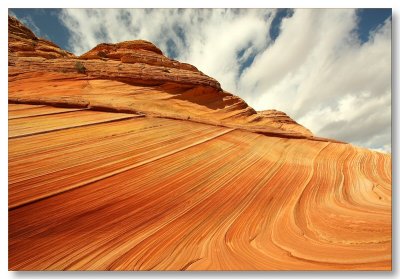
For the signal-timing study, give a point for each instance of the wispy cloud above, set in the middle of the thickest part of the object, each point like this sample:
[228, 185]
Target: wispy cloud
[316, 70]
[30, 23]
[11, 13]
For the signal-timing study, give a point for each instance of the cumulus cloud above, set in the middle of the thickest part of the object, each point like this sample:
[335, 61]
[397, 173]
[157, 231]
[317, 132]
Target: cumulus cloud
[317, 70]
[210, 39]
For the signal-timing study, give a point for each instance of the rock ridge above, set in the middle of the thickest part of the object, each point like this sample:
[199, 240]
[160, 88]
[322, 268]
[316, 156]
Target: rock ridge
[130, 76]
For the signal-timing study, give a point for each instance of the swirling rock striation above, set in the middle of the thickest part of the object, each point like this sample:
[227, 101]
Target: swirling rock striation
[111, 172]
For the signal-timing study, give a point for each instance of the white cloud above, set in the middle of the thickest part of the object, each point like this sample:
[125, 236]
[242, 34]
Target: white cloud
[210, 39]
[316, 70]
[30, 23]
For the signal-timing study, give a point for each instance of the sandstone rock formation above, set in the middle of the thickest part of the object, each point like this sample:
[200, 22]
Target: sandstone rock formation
[23, 43]
[283, 121]
[139, 79]
[124, 159]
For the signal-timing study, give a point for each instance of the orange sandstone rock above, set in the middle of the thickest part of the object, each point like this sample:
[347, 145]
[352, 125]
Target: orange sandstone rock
[124, 159]
[93, 190]
[147, 82]
[22, 42]
[283, 121]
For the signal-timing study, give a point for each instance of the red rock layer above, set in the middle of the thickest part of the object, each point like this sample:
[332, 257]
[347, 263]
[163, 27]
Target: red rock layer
[283, 121]
[92, 190]
[137, 69]
[22, 42]
[138, 51]
[124, 172]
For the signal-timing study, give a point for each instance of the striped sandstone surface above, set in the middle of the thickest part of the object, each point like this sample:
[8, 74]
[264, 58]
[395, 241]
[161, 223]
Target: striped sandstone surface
[140, 162]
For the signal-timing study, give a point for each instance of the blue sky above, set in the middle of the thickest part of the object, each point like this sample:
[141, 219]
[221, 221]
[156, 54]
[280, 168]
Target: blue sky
[47, 23]
[329, 69]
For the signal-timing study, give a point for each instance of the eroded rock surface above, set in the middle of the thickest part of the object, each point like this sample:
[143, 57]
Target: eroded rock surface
[22, 42]
[123, 159]
[128, 76]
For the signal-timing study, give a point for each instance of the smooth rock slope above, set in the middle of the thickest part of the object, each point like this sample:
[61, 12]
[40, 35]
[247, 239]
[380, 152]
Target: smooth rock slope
[123, 159]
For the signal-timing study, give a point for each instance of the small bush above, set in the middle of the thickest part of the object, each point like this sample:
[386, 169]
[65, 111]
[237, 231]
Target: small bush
[63, 53]
[80, 67]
